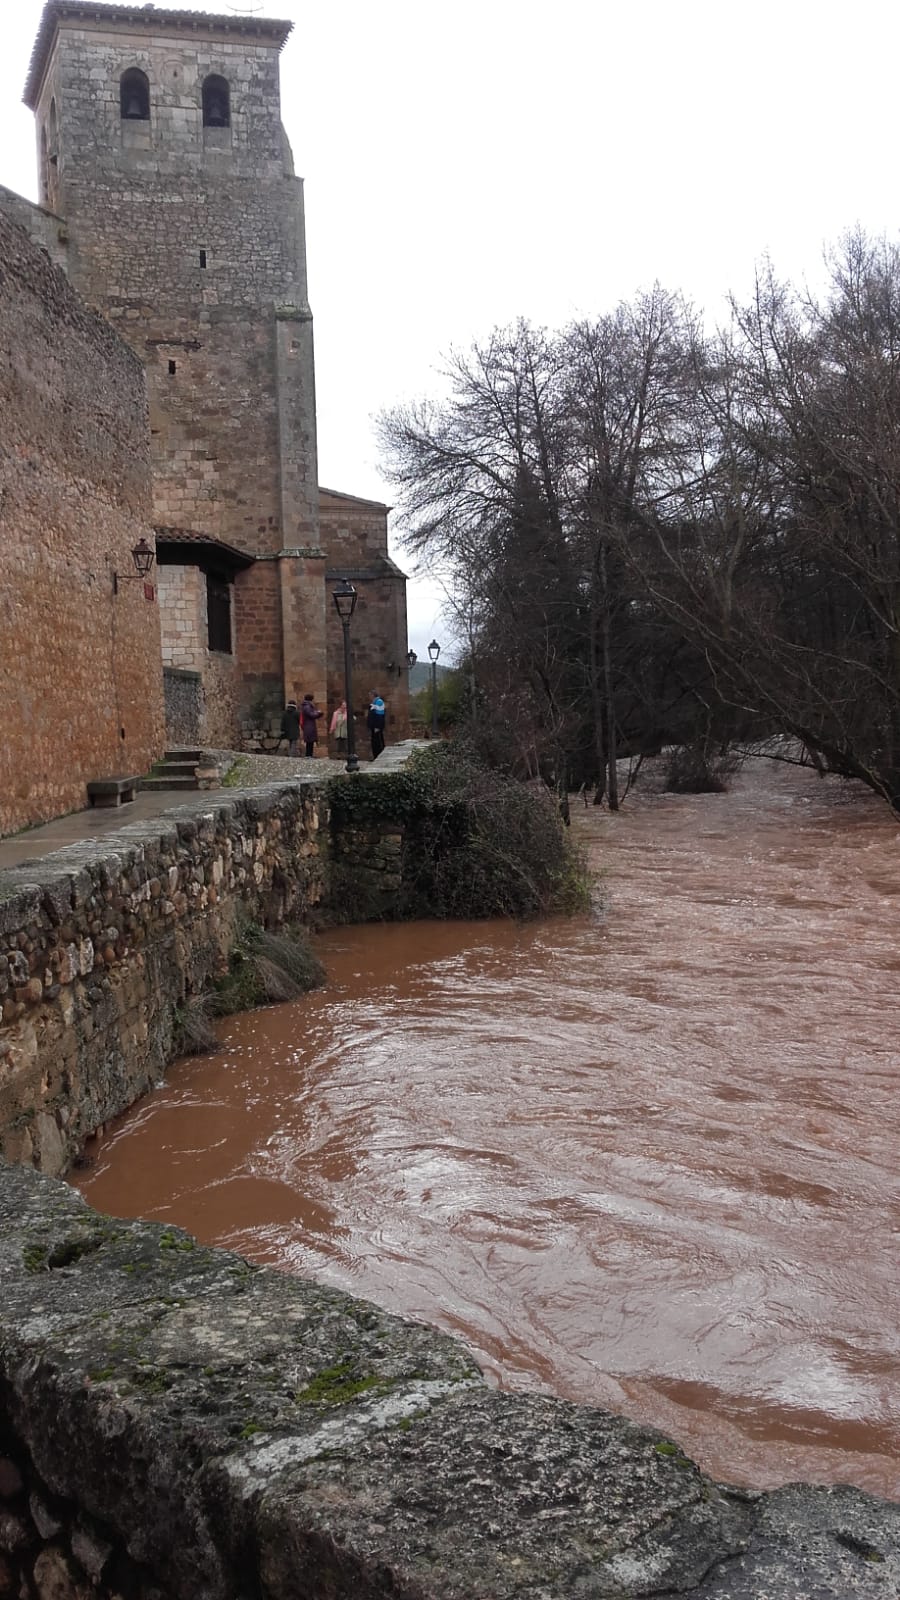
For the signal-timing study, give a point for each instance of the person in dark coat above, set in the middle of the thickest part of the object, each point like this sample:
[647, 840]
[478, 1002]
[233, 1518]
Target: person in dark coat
[309, 716]
[377, 716]
[290, 727]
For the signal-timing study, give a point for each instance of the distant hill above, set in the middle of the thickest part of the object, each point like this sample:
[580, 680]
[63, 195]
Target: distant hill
[420, 675]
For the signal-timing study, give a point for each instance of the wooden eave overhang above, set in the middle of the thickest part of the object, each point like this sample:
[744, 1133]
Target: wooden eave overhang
[185, 547]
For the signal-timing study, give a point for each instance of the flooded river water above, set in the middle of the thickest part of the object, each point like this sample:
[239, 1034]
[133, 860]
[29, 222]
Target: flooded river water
[646, 1159]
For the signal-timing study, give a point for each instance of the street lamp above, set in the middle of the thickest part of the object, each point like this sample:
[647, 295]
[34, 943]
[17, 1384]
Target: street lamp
[434, 651]
[344, 597]
[411, 659]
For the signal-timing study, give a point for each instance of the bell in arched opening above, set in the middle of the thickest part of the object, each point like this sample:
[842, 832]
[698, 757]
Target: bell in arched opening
[216, 103]
[134, 96]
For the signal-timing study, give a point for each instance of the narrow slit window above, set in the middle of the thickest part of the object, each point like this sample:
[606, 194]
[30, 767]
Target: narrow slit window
[45, 169]
[218, 613]
[134, 96]
[171, 369]
[54, 134]
[203, 258]
[216, 102]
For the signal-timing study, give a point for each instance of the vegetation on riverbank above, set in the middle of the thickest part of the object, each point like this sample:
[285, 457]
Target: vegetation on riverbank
[477, 842]
[263, 968]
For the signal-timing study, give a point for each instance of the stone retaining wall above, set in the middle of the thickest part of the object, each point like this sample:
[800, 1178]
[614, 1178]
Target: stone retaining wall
[178, 1425]
[102, 942]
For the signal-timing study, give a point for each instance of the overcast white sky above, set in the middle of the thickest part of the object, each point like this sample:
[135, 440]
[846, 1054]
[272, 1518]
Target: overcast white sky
[471, 163]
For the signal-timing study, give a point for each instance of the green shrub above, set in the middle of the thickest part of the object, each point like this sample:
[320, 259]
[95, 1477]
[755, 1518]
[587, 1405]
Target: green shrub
[477, 843]
[267, 967]
[194, 1031]
[491, 846]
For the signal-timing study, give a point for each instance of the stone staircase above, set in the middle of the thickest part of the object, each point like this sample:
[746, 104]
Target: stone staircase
[183, 768]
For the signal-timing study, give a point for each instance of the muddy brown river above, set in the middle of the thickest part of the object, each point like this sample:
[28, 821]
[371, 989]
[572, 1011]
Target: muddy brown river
[646, 1159]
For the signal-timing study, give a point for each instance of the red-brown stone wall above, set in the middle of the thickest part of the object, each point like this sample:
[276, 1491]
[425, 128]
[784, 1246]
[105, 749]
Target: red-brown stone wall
[257, 616]
[354, 533]
[80, 665]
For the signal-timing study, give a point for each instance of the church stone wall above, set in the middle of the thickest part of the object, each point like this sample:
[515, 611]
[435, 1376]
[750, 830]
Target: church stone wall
[79, 663]
[209, 715]
[182, 615]
[191, 240]
[354, 533]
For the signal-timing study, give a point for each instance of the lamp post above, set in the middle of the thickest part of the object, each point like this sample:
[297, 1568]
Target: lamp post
[434, 651]
[344, 597]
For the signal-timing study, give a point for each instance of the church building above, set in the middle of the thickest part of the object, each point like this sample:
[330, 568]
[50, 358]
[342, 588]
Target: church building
[168, 196]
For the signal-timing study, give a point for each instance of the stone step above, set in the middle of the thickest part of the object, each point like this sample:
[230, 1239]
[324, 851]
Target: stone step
[185, 753]
[161, 780]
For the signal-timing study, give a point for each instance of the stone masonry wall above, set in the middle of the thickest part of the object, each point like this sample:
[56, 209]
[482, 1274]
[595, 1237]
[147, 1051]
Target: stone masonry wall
[183, 613]
[355, 535]
[176, 1424]
[102, 942]
[183, 693]
[79, 663]
[221, 694]
[182, 603]
[44, 227]
[192, 241]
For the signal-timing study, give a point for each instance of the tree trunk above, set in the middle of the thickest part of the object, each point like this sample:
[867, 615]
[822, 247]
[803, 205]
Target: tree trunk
[613, 780]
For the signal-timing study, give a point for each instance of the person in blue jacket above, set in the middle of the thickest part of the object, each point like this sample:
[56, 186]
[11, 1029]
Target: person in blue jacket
[375, 723]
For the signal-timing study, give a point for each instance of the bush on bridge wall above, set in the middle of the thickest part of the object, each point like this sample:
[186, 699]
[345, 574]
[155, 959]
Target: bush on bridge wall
[477, 843]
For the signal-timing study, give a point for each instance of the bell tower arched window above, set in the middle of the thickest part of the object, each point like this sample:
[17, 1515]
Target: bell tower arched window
[134, 96]
[216, 102]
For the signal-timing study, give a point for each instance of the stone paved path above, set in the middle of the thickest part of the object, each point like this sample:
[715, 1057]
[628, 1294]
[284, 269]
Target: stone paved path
[35, 843]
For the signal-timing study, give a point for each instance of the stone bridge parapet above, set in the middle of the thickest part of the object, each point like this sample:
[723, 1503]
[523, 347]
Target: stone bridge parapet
[178, 1425]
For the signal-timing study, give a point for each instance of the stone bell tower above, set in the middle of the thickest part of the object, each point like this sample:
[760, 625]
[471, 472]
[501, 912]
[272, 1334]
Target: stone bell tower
[160, 144]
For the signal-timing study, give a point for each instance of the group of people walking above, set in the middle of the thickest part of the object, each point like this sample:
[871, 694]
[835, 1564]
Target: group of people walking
[302, 723]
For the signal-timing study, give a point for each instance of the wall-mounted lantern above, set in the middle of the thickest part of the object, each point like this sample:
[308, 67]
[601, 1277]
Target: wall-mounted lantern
[410, 660]
[143, 556]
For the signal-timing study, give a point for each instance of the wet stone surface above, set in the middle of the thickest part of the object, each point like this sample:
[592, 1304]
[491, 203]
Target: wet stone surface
[208, 1428]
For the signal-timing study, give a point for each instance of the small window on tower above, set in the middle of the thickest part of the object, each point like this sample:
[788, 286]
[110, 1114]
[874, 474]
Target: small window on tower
[134, 96]
[171, 369]
[203, 258]
[54, 134]
[45, 169]
[218, 613]
[216, 103]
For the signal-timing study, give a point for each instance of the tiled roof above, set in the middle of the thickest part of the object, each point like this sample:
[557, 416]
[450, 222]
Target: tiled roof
[354, 499]
[149, 16]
